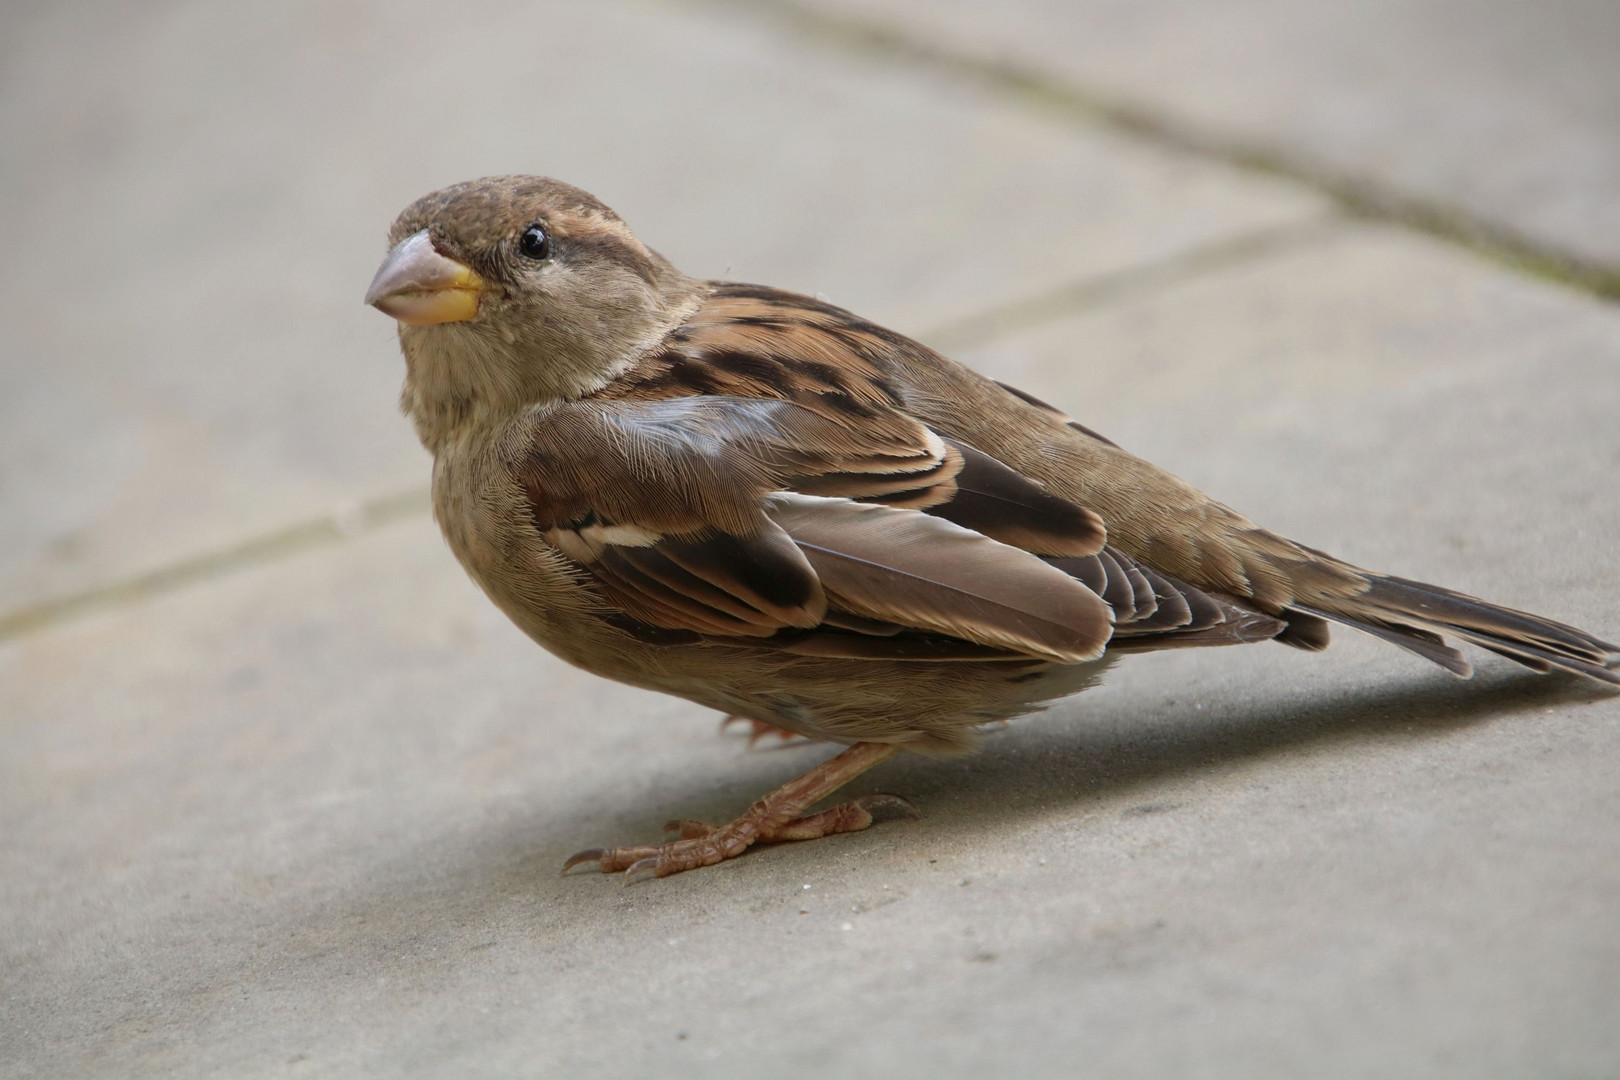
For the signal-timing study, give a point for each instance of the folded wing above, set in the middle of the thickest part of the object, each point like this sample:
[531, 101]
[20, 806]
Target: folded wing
[718, 517]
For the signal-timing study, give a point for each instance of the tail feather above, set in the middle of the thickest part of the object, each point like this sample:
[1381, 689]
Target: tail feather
[1468, 612]
[1418, 617]
[1519, 656]
[1431, 647]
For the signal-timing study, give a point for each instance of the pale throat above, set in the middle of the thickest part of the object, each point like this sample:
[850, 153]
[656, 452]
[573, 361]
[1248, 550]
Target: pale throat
[456, 376]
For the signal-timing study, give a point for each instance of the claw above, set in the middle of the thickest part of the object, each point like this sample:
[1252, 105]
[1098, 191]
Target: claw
[882, 800]
[588, 855]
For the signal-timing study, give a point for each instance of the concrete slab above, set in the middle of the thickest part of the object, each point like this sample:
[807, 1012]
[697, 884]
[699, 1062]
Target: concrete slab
[305, 820]
[194, 197]
[1504, 110]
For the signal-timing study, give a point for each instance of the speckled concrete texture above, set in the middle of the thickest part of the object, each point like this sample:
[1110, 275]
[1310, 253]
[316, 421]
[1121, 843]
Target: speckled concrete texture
[1495, 110]
[282, 795]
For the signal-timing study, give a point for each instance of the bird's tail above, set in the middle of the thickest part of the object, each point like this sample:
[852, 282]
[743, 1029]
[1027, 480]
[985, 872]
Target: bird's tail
[1419, 617]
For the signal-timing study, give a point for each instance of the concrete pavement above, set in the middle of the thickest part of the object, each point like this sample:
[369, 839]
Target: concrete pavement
[283, 795]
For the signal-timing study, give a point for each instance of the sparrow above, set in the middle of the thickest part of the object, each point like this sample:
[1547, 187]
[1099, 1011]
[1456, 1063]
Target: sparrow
[762, 503]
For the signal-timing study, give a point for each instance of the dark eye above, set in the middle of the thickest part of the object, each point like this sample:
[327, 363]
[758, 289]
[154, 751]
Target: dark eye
[534, 243]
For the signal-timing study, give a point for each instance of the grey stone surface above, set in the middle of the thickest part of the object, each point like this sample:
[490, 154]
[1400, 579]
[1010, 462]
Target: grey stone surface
[193, 197]
[1505, 109]
[302, 818]
[305, 820]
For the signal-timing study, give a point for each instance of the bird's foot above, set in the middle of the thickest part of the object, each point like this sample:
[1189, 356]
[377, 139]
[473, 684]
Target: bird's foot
[777, 817]
[758, 729]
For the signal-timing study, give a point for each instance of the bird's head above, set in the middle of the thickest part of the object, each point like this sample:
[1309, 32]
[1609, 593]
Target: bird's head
[512, 291]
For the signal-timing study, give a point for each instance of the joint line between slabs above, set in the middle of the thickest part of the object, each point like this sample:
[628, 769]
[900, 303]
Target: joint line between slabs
[341, 524]
[1355, 194]
[1098, 290]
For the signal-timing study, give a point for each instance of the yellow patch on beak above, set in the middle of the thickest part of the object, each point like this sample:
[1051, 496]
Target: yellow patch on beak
[420, 287]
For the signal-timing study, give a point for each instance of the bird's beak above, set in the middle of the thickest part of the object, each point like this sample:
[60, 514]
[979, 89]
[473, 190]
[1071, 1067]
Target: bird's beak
[418, 286]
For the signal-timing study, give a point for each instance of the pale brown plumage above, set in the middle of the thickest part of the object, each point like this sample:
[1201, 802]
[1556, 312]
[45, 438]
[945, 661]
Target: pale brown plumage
[762, 503]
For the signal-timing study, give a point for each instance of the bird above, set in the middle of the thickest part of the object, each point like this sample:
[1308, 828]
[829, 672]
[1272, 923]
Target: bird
[762, 503]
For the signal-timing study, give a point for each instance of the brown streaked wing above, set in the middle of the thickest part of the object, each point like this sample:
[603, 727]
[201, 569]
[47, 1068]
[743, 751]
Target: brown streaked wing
[722, 584]
[685, 464]
[1178, 616]
[753, 579]
[661, 501]
[1170, 610]
[995, 500]
[753, 341]
[923, 572]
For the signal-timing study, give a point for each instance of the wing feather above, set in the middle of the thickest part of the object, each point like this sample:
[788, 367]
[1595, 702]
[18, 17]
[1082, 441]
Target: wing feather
[908, 567]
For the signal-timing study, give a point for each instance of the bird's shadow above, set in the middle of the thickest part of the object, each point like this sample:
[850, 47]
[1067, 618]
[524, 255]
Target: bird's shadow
[1085, 753]
[1110, 752]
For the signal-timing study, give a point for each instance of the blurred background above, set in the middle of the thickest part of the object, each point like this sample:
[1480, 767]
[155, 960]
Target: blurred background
[281, 794]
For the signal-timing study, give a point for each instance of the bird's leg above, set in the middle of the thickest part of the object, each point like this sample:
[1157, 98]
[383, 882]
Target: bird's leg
[775, 817]
[852, 816]
[758, 729]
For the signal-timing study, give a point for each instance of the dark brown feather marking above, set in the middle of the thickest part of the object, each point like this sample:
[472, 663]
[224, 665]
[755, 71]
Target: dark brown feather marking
[759, 369]
[912, 647]
[1000, 503]
[651, 601]
[1118, 592]
[1170, 608]
[1305, 631]
[750, 568]
[1143, 602]
[657, 565]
